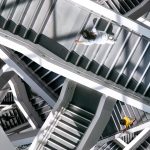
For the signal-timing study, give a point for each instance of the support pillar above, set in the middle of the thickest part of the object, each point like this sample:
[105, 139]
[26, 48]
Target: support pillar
[22, 101]
[98, 123]
[5, 143]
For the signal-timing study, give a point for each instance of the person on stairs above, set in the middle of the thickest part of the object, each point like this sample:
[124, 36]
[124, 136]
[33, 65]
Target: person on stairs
[96, 37]
[127, 122]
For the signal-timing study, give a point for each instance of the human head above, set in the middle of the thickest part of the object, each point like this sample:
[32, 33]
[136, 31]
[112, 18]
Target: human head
[89, 35]
[122, 121]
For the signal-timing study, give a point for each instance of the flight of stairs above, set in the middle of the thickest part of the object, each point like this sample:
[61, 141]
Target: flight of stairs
[113, 127]
[123, 63]
[145, 145]
[120, 6]
[70, 128]
[41, 107]
[19, 121]
[120, 110]
[50, 80]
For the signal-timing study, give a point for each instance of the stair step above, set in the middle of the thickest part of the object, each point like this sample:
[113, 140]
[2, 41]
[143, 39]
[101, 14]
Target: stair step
[69, 130]
[36, 101]
[66, 136]
[40, 105]
[81, 111]
[48, 147]
[54, 144]
[43, 108]
[73, 123]
[77, 118]
[61, 142]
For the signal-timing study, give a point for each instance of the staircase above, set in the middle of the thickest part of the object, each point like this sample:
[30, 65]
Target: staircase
[113, 127]
[19, 122]
[145, 145]
[120, 110]
[127, 66]
[69, 129]
[41, 107]
[120, 6]
[15, 124]
[50, 80]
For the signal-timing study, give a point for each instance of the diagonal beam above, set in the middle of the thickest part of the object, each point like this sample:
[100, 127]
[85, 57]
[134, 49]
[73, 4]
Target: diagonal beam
[22, 101]
[23, 138]
[98, 123]
[138, 140]
[48, 60]
[5, 142]
[5, 77]
[13, 64]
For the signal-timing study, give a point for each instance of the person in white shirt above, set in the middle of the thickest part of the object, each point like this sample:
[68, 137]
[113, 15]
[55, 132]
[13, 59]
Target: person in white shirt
[96, 37]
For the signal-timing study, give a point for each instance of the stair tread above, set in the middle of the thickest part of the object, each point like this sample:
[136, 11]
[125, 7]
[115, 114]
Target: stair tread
[61, 146]
[66, 135]
[64, 138]
[81, 111]
[77, 117]
[69, 130]
[72, 122]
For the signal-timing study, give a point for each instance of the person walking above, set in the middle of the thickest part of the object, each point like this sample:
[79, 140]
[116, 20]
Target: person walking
[127, 122]
[96, 37]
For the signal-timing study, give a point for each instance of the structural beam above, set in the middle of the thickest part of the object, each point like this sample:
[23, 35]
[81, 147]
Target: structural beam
[5, 142]
[120, 142]
[4, 92]
[27, 76]
[144, 21]
[22, 101]
[139, 10]
[98, 123]
[18, 128]
[23, 138]
[48, 60]
[138, 140]
[5, 77]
